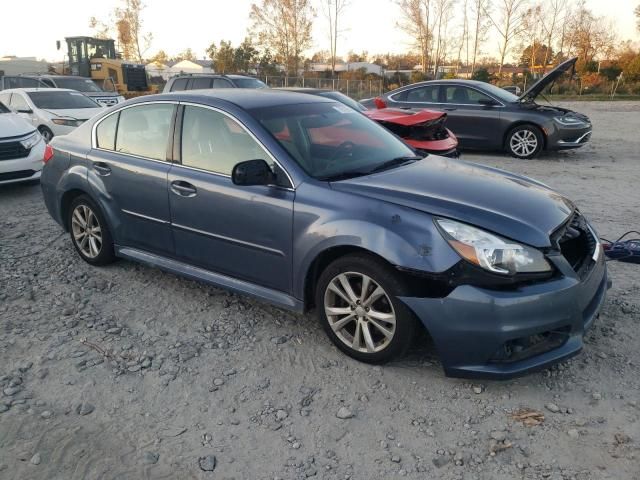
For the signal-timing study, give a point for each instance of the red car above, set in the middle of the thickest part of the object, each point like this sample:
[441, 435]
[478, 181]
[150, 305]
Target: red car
[424, 129]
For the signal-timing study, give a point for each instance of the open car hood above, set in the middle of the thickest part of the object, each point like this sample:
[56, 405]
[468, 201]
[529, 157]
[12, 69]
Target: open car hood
[536, 89]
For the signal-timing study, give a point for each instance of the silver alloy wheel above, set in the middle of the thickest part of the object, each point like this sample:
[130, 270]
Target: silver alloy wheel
[359, 312]
[523, 143]
[86, 231]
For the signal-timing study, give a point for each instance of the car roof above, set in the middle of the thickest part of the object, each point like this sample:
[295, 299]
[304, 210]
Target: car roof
[304, 89]
[244, 98]
[32, 89]
[216, 75]
[447, 80]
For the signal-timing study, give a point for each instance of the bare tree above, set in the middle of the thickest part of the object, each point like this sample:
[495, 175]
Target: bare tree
[464, 37]
[480, 10]
[637, 13]
[333, 9]
[416, 23]
[284, 26]
[555, 9]
[443, 15]
[100, 28]
[508, 23]
[129, 27]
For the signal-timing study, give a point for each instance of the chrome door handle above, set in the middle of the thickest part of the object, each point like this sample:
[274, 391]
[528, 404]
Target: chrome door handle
[102, 169]
[184, 189]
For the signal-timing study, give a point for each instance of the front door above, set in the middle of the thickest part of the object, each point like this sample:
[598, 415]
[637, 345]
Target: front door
[471, 117]
[244, 232]
[128, 173]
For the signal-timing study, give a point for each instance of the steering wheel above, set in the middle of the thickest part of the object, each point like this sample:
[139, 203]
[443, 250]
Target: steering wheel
[343, 148]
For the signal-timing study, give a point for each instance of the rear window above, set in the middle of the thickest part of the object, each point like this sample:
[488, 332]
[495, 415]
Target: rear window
[106, 132]
[56, 100]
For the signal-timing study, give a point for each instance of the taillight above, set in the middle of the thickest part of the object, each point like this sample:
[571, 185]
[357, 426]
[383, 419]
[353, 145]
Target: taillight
[48, 153]
[380, 103]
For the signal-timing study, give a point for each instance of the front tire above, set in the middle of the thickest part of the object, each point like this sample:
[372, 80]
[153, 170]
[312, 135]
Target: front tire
[89, 232]
[46, 133]
[524, 141]
[358, 306]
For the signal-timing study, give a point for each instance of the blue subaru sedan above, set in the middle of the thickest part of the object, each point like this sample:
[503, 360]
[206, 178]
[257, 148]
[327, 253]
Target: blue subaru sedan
[305, 203]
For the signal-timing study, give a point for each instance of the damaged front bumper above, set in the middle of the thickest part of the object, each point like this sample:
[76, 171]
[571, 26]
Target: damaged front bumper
[500, 334]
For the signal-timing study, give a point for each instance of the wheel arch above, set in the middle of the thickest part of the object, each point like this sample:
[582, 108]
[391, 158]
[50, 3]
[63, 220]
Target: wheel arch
[65, 203]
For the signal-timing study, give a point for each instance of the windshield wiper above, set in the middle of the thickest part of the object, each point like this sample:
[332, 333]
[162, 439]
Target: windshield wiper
[394, 162]
[343, 176]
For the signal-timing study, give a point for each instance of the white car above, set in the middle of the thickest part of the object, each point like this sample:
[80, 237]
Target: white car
[22, 149]
[53, 111]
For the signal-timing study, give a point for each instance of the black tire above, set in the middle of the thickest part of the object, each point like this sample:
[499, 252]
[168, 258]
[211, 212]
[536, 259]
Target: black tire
[520, 139]
[46, 133]
[385, 276]
[105, 253]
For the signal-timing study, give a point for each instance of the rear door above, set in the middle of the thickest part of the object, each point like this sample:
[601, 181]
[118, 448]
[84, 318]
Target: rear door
[241, 231]
[128, 174]
[470, 118]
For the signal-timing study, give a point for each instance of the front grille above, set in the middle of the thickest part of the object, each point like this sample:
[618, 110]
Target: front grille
[16, 175]
[107, 101]
[13, 150]
[576, 243]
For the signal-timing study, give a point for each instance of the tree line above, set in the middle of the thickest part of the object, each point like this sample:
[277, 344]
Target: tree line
[535, 34]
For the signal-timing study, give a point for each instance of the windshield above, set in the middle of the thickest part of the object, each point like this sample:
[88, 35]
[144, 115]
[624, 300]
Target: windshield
[57, 100]
[4, 109]
[79, 84]
[331, 141]
[341, 97]
[249, 83]
[500, 93]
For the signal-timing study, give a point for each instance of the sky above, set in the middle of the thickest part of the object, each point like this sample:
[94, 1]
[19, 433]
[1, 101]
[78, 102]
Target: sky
[370, 25]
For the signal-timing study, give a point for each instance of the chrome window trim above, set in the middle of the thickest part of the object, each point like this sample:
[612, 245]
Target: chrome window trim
[501, 105]
[94, 139]
[246, 129]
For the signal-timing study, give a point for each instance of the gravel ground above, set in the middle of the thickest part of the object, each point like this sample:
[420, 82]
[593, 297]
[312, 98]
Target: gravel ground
[127, 372]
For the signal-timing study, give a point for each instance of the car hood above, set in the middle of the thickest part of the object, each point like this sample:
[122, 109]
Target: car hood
[536, 89]
[403, 117]
[13, 125]
[76, 113]
[510, 205]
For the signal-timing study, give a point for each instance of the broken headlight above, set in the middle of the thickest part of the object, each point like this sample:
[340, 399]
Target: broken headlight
[491, 252]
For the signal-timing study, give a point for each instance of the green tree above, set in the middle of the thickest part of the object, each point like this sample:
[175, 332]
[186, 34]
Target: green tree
[245, 56]
[540, 51]
[481, 75]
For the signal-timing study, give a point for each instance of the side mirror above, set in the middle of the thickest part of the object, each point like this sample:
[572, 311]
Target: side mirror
[252, 172]
[488, 102]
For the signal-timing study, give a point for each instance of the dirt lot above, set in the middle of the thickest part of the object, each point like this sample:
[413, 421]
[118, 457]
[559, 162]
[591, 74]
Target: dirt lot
[129, 373]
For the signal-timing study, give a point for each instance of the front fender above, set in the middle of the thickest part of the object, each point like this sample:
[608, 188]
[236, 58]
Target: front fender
[402, 236]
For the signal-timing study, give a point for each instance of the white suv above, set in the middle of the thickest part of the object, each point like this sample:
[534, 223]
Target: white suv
[22, 149]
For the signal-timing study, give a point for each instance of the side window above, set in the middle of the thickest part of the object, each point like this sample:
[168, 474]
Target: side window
[18, 103]
[464, 95]
[179, 85]
[106, 132]
[11, 82]
[144, 130]
[29, 83]
[201, 82]
[428, 94]
[212, 141]
[221, 83]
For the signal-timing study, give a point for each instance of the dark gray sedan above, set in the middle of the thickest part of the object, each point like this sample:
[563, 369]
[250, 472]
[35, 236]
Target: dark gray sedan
[487, 117]
[303, 202]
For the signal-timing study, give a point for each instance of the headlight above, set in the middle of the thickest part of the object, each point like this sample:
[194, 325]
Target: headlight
[491, 252]
[67, 122]
[569, 120]
[31, 141]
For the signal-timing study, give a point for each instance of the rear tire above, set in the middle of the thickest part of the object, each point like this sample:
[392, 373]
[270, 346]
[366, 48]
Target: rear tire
[524, 141]
[372, 326]
[89, 232]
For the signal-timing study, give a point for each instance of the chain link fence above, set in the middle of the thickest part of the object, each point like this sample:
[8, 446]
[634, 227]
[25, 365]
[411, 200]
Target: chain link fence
[356, 89]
